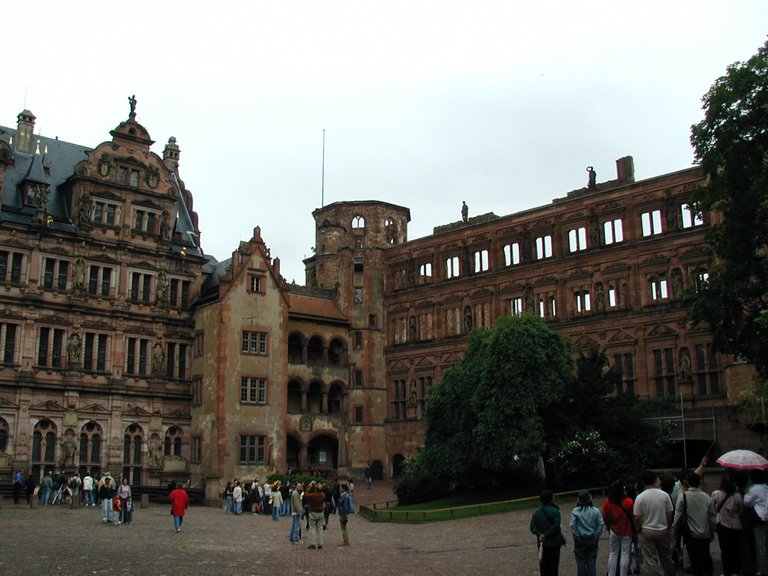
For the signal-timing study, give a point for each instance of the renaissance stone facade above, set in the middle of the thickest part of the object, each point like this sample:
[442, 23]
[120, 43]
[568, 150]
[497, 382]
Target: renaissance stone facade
[99, 264]
[123, 346]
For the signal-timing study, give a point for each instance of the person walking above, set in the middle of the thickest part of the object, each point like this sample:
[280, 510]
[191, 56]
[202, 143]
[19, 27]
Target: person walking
[586, 525]
[179, 504]
[46, 486]
[695, 521]
[545, 524]
[345, 508]
[124, 493]
[652, 514]
[617, 516]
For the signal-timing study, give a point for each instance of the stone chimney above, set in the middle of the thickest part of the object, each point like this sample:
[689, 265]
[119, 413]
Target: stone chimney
[25, 131]
[625, 169]
[171, 155]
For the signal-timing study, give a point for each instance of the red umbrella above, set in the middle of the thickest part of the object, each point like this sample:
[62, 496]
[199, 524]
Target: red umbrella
[743, 460]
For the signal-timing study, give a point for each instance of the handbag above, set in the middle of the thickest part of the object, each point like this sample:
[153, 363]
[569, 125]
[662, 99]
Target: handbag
[683, 529]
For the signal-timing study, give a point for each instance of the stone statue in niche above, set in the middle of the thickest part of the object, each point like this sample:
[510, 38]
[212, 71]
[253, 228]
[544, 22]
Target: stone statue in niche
[685, 365]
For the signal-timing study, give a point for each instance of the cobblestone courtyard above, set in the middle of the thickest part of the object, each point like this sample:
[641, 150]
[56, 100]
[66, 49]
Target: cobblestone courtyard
[61, 541]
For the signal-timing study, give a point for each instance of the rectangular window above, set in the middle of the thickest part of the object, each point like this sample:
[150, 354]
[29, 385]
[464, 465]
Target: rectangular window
[199, 344]
[651, 222]
[452, 267]
[99, 281]
[657, 288]
[176, 360]
[358, 374]
[255, 283]
[689, 218]
[707, 371]
[144, 221]
[358, 295]
[104, 213]
[664, 372]
[425, 272]
[197, 391]
[577, 239]
[253, 390]
[254, 343]
[140, 287]
[134, 178]
[358, 340]
[481, 261]
[195, 450]
[252, 449]
[515, 306]
[50, 347]
[8, 342]
[12, 260]
[512, 254]
[95, 352]
[583, 301]
[136, 357]
[358, 414]
[543, 247]
[626, 364]
[358, 266]
[122, 175]
[613, 231]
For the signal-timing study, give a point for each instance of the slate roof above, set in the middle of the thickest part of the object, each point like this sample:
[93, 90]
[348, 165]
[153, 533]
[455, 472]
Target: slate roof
[52, 163]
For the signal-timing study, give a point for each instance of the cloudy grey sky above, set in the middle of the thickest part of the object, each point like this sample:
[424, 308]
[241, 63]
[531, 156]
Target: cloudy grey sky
[424, 103]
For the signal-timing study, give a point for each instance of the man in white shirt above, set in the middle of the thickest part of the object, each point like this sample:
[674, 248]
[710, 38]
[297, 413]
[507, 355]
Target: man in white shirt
[757, 498]
[653, 519]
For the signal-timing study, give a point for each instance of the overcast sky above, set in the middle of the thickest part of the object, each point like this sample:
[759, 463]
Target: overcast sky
[424, 103]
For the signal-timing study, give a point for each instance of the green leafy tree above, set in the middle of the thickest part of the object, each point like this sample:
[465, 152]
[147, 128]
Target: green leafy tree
[484, 418]
[731, 143]
[596, 433]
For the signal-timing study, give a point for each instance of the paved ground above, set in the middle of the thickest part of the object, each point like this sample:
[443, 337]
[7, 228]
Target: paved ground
[58, 541]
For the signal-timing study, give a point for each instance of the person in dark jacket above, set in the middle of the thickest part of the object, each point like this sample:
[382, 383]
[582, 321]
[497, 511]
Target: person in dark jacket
[545, 524]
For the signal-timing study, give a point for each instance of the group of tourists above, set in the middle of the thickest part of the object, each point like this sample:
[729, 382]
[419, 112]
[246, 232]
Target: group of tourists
[310, 506]
[666, 526]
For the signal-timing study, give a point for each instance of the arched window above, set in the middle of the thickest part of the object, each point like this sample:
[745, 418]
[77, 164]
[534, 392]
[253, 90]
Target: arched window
[3, 435]
[90, 448]
[133, 441]
[358, 223]
[43, 448]
[172, 444]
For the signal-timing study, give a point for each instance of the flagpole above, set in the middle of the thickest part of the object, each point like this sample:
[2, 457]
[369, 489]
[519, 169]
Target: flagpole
[322, 179]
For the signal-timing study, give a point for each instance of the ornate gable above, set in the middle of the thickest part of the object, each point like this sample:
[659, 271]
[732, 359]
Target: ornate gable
[661, 331]
[451, 358]
[622, 336]
[424, 362]
[56, 320]
[94, 408]
[48, 406]
[5, 403]
[584, 342]
[98, 325]
[177, 414]
[398, 366]
[137, 411]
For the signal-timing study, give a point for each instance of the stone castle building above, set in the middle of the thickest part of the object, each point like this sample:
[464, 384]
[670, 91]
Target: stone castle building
[124, 346]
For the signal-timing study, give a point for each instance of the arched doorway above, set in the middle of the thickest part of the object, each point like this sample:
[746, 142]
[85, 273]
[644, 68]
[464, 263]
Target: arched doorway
[377, 470]
[398, 465]
[293, 450]
[323, 453]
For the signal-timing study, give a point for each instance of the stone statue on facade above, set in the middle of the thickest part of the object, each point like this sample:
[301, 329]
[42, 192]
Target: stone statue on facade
[73, 349]
[158, 358]
[464, 211]
[68, 448]
[155, 453]
[591, 178]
